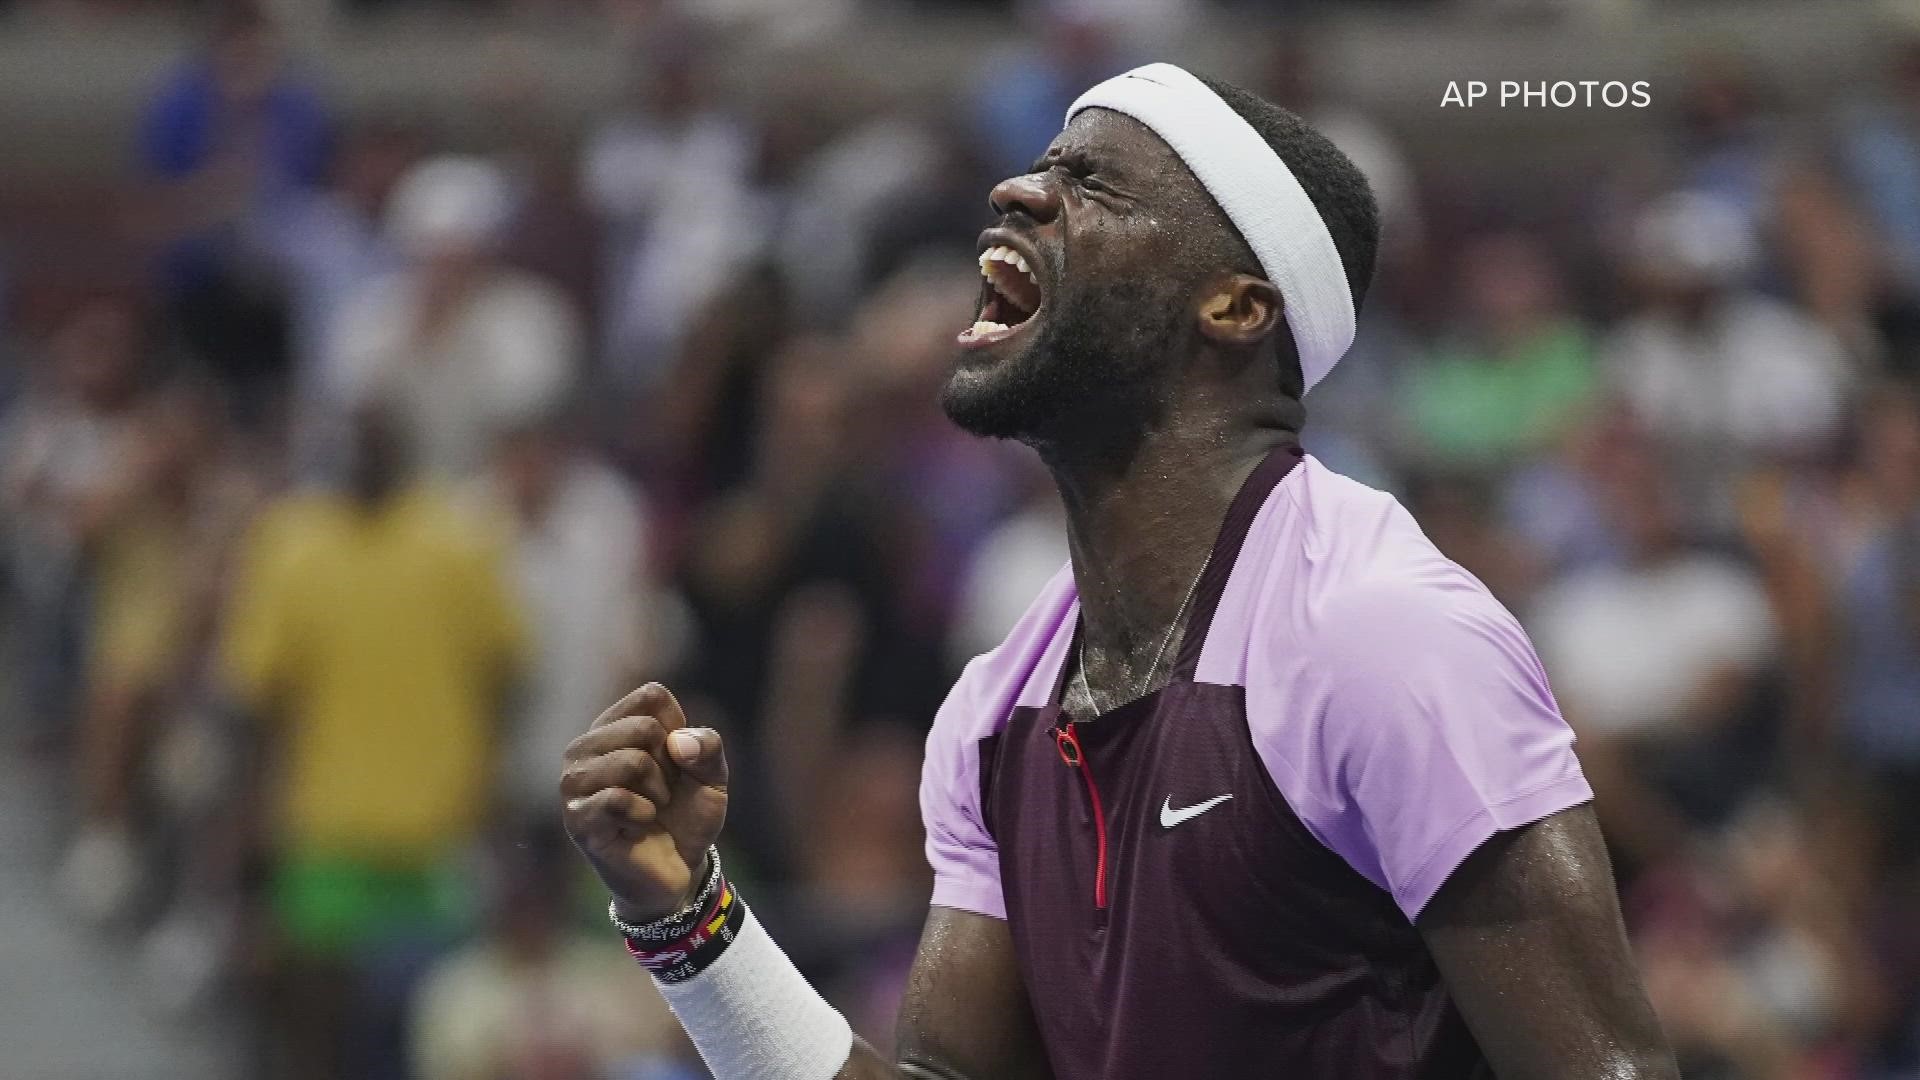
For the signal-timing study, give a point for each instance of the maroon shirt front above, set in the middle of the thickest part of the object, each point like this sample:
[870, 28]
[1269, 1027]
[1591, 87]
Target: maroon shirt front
[1194, 895]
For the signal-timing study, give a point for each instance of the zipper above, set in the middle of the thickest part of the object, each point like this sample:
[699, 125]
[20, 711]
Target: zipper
[1069, 746]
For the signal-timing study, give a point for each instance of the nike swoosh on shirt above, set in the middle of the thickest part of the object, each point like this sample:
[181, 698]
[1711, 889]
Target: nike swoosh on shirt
[1169, 817]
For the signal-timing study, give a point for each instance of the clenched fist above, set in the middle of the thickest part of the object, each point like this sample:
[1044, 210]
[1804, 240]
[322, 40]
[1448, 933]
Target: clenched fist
[645, 797]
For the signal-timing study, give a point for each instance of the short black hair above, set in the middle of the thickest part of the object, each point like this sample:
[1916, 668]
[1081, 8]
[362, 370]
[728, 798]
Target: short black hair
[1331, 180]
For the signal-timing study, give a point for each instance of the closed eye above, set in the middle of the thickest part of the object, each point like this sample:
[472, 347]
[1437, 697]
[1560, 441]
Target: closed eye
[1079, 170]
[1083, 175]
[1075, 166]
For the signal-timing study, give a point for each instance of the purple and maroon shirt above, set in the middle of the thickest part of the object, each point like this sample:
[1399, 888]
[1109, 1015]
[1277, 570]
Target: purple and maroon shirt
[1220, 879]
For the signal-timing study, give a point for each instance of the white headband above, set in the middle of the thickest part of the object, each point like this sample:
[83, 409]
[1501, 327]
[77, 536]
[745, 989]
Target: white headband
[1258, 193]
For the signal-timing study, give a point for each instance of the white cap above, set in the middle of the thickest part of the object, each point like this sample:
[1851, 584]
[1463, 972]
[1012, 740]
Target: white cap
[1696, 235]
[457, 203]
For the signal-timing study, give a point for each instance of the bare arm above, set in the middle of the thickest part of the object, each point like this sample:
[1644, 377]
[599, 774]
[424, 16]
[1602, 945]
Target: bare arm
[965, 1016]
[1528, 936]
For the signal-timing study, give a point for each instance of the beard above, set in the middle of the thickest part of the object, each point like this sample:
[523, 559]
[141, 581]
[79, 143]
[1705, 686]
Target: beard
[1095, 366]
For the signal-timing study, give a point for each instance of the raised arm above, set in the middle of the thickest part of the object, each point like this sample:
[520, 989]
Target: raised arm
[1528, 936]
[645, 797]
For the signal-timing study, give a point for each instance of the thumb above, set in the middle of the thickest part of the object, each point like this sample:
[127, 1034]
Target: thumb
[700, 756]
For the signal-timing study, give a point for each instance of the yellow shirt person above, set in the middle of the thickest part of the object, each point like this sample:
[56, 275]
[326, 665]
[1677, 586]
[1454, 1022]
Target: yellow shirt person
[377, 640]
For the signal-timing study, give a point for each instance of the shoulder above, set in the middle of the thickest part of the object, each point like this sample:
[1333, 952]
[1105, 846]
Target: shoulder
[1403, 625]
[1355, 626]
[1327, 551]
[1389, 606]
[1419, 653]
[1396, 705]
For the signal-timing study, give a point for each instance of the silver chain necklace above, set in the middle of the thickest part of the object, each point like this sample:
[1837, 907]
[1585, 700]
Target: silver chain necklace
[1153, 669]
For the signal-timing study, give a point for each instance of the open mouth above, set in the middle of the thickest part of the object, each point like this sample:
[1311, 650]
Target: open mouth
[1009, 296]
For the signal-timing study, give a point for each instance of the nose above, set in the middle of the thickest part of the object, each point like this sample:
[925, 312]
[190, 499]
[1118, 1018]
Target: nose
[1030, 193]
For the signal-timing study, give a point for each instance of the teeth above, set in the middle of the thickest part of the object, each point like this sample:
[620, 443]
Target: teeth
[983, 328]
[1001, 253]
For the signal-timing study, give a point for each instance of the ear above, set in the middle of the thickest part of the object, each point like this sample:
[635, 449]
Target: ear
[1238, 310]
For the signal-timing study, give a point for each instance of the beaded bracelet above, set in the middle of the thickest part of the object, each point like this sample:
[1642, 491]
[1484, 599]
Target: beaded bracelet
[680, 923]
[680, 946]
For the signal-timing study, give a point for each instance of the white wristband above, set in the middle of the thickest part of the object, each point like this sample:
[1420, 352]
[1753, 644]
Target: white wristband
[754, 1017]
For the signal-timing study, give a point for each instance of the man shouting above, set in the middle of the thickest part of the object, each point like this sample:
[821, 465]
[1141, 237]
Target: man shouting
[1261, 785]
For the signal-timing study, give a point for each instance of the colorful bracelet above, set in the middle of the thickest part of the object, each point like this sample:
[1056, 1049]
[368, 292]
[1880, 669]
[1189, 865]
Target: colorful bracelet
[684, 944]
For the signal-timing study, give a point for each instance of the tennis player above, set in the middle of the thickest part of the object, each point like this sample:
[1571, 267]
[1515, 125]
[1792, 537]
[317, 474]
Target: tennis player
[1261, 785]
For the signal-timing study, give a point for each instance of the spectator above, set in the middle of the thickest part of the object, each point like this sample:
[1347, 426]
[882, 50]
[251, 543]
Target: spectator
[788, 582]
[947, 489]
[329, 242]
[1656, 662]
[902, 171]
[552, 233]
[373, 633]
[1724, 377]
[1551, 504]
[69, 442]
[1519, 374]
[531, 999]
[1878, 609]
[457, 345]
[582, 559]
[1727, 139]
[669, 175]
[699, 432]
[1751, 961]
[157, 555]
[1880, 155]
[231, 138]
[1878, 162]
[854, 914]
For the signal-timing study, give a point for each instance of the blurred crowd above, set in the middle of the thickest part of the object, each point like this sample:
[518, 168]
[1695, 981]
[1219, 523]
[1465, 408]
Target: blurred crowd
[405, 448]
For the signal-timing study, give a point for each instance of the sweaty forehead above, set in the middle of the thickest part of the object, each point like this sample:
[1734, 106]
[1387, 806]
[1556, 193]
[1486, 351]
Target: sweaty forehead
[1117, 144]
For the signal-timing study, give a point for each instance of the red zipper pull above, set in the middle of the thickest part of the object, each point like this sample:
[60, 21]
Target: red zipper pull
[1069, 747]
[1068, 744]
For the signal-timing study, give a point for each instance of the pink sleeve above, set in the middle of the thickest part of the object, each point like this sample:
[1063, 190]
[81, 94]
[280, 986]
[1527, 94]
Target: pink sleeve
[965, 859]
[1437, 730]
